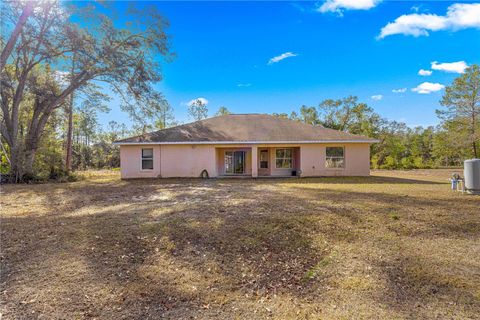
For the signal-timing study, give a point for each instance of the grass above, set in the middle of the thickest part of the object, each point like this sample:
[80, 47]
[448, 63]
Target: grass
[396, 245]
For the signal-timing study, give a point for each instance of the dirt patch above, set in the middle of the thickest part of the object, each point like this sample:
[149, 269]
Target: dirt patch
[397, 245]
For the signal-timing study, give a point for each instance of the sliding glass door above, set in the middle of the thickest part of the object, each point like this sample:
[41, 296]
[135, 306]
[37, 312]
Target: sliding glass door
[235, 162]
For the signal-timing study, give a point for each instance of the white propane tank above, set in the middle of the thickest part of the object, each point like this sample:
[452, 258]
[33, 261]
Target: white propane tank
[471, 172]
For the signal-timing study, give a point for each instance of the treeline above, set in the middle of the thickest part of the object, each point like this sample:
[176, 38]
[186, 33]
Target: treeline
[92, 147]
[455, 139]
[400, 146]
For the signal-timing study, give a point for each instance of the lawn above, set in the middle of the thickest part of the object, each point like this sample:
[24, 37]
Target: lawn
[396, 245]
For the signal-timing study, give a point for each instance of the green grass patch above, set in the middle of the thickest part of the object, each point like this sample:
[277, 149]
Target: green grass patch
[317, 269]
[394, 215]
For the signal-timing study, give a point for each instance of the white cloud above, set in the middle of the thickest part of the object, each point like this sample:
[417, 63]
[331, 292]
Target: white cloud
[339, 5]
[244, 85]
[377, 97]
[452, 67]
[401, 90]
[425, 73]
[281, 57]
[459, 16]
[191, 102]
[428, 87]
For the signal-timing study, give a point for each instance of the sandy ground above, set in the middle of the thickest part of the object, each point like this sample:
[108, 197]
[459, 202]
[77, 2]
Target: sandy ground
[396, 245]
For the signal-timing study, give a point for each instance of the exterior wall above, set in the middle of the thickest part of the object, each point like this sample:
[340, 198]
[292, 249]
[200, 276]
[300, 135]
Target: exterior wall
[168, 161]
[187, 160]
[357, 160]
[131, 162]
[190, 160]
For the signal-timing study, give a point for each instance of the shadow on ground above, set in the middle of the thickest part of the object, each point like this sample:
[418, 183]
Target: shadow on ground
[216, 248]
[362, 180]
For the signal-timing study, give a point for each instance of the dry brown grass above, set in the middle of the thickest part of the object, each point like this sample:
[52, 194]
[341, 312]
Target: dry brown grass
[397, 245]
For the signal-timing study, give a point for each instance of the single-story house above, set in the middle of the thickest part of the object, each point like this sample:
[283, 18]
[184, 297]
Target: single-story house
[252, 145]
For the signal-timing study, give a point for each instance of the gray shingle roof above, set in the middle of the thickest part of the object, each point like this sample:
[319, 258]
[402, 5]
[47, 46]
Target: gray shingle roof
[245, 128]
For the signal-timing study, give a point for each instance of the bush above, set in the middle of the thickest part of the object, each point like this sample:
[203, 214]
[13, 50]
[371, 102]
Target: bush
[60, 175]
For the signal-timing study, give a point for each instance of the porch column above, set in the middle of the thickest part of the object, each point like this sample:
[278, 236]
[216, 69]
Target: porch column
[254, 161]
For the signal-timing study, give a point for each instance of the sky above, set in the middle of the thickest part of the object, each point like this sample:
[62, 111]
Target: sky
[265, 57]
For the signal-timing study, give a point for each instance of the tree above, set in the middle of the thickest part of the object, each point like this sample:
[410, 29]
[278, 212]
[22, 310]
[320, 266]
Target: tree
[309, 115]
[222, 111]
[124, 59]
[198, 110]
[104, 153]
[341, 114]
[280, 115]
[69, 111]
[347, 114]
[392, 148]
[164, 115]
[462, 100]
[446, 149]
[86, 126]
[420, 141]
[294, 116]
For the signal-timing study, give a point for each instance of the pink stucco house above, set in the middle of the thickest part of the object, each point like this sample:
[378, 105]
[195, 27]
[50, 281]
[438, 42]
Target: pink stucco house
[252, 145]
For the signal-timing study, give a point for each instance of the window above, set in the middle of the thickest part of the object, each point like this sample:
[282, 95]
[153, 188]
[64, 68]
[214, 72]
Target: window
[147, 159]
[283, 158]
[335, 157]
[264, 159]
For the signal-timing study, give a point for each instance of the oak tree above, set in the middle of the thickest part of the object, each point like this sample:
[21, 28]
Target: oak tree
[126, 59]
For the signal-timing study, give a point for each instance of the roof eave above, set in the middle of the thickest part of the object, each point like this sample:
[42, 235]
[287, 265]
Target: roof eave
[119, 143]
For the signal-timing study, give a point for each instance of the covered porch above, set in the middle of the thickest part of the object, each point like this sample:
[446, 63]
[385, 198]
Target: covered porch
[258, 161]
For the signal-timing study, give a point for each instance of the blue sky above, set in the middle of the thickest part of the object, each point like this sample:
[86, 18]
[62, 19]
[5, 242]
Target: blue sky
[223, 51]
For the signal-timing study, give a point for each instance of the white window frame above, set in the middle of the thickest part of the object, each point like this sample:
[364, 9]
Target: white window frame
[335, 157]
[146, 158]
[291, 158]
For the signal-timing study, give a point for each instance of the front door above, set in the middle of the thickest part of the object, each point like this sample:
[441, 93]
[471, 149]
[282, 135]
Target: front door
[234, 162]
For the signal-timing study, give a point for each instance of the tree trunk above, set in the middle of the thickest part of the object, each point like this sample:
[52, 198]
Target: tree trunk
[68, 156]
[16, 167]
[474, 123]
[31, 145]
[29, 158]
[69, 146]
